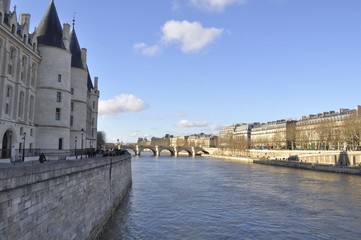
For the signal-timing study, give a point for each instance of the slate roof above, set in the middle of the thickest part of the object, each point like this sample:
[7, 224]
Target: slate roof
[90, 83]
[76, 60]
[50, 31]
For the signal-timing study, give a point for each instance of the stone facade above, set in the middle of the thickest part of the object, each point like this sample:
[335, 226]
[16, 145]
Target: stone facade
[46, 94]
[61, 200]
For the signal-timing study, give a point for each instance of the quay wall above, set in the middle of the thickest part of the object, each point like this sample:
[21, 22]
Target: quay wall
[349, 158]
[61, 199]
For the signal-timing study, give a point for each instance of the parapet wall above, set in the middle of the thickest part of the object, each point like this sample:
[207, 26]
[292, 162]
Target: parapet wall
[61, 200]
[349, 158]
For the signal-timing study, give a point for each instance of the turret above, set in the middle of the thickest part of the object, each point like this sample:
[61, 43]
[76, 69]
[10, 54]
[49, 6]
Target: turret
[53, 99]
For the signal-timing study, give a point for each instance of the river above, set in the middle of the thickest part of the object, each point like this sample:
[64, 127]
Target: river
[203, 198]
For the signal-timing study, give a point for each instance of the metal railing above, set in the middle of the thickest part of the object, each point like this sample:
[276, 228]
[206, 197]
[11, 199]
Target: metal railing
[52, 153]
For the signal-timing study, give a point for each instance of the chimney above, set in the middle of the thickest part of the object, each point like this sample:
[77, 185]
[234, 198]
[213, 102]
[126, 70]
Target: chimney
[24, 18]
[96, 82]
[84, 53]
[6, 6]
[66, 35]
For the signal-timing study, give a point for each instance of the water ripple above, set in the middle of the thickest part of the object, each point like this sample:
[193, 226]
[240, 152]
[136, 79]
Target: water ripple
[197, 198]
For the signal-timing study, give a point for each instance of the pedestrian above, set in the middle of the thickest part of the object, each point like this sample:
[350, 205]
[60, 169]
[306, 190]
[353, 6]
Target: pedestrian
[42, 158]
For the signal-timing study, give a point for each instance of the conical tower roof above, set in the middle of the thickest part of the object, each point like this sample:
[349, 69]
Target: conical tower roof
[50, 31]
[76, 60]
[90, 83]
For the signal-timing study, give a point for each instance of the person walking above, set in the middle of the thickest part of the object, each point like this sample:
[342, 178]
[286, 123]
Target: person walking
[42, 158]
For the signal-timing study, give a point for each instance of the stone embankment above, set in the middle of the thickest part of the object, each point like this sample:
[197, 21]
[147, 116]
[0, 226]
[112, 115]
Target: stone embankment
[61, 199]
[330, 161]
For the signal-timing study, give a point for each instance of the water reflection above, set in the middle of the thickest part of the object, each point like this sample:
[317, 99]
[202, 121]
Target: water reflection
[200, 198]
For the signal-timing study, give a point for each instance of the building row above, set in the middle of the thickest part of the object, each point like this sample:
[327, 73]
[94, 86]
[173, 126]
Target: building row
[48, 100]
[327, 130]
[194, 140]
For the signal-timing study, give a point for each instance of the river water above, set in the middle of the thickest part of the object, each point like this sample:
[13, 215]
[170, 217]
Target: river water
[203, 198]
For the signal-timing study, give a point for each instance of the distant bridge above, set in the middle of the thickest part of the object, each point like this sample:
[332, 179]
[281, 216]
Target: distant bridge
[157, 150]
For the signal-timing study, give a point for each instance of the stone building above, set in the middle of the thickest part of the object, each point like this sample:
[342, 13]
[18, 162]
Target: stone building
[326, 130]
[47, 98]
[179, 141]
[278, 134]
[203, 140]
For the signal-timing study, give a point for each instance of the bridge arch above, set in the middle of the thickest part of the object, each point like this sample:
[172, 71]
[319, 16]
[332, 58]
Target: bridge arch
[141, 149]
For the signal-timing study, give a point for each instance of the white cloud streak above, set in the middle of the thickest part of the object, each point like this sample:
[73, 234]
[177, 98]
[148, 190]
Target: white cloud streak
[191, 36]
[189, 124]
[121, 104]
[215, 5]
[146, 50]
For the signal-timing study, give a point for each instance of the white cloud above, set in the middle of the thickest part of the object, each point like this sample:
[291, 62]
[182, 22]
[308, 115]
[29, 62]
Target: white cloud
[120, 104]
[215, 128]
[187, 124]
[215, 5]
[175, 5]
[192, 36]
[146, 50]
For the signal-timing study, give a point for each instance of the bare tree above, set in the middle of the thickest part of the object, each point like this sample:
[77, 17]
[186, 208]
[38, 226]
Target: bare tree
[351, 131]
[101, 139]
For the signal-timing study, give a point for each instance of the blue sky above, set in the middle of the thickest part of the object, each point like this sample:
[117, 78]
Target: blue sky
[191, 66]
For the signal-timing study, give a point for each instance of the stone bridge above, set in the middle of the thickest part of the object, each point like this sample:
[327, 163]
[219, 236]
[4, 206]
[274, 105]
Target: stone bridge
[157, 150]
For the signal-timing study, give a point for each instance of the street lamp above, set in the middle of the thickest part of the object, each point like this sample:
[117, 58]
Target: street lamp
[76, 141]
[82, 142]
[24, 137]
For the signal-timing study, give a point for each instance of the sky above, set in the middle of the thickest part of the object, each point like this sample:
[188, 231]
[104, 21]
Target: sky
[194, 66]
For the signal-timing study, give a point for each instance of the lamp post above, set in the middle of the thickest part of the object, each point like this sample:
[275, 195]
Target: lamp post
[82, 142]
[24, 137]
[76, 141]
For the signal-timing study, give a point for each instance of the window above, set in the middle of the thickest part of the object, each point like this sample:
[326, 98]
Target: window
[10, 69]
[72, 106]
[7, 108]
[31, 132]
[8, 92]
[93, 122]
[33, 74]
[59, 77]
[72, 91]
[71, 120]
[58, 96]
[21, 105]
[31, 108]
[57, 114]
[93, 104]
[60, 143]
[12, 54]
